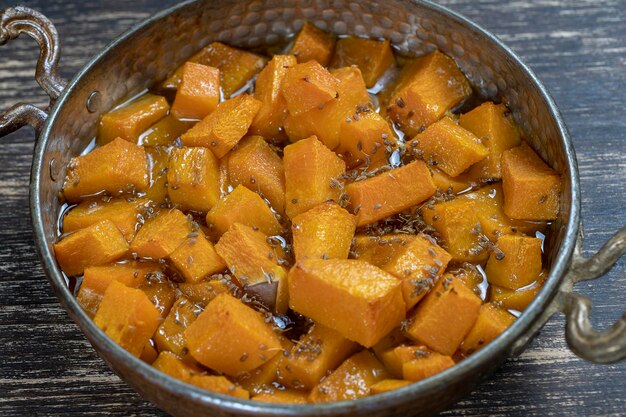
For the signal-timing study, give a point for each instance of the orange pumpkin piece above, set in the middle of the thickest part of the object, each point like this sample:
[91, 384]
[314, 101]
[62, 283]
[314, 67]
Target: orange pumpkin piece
[445, 316]
[515, 299]
[193, 178]
[96, 279]
[161, 235]
[378, 250]
[157, 166]
[390, 192]
[129, 121]
[425, 367]
[170, 335]
[171, 364]
[419, 264]
[165, 131]
[201, 293]
[254, 262]
[365, 138]
[219, 384]
[124, 214]
[245, 207]
[222, 129]
[251, 343]
[387, 385]
[118, 167]
[261, 379]
[531, 188]
[351, 380]
[282, 397]
[160, 291]
[236, 66]
[392, 339]
[127, 316]
[429, 87]
[373, 57]
[497, 131]
[98, 244]
[311, 171]
[471, 276]
[358, 300]
[267, 89]
[396, 357]
[196, 258]
[492, 320]
[316, 354]
[307, 86]
[516, 263]
[448, 146]
[325, 123]
[198, 92]
[325, 232]
[313, 44]
[452, 185]
[255, 165]
[148, 354]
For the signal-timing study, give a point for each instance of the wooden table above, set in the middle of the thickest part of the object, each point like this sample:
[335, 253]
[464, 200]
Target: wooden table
[578, 49]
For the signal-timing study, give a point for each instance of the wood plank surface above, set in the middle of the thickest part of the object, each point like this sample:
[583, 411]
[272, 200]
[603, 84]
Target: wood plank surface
[578, 49]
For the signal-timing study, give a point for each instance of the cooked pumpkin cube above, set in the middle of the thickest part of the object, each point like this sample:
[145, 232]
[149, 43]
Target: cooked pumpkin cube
[282, 397]
[130, 121]
[392, 339]
[445, 316]
[387, 385]
[201, 293]
[492, 320]
[172, 365]
[96, 279]
[117, 167]
[430, 86]
[515, 299]
[531, 188]
[325, 232]
[124, 214]
[313, 44]
[161, 235]
[196, 258]
[311, 172]
[236, 66]
[390, 192]
[219, 384]
[516, 263]
[251, 342]
[472, 277]
[127, 316]
[193, 179]
[307, 86]
[160, 291]
[198, 92]
[165, 131]
[364, 139]
[325, 123]
[396, 357]
[157, 165]
[351, 380]
[378, 250]
[425, 367]
[497, 131]
[245, 207]
[222, 129]
[267, 89]
[148, 354]
[316, 354]
[255, 165]
[448, 146]
[373, 57]
[452, 185]
[261, 379]
[98, 244]
[419, 264]
[170, 335]
[360, 301]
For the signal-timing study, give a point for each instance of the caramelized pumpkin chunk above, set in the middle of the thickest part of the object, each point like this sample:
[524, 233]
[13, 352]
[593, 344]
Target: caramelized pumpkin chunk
[492, 320]
[515, 299]
[161, 235]
[516, 263]
[448, 146]
[452, 185]
[245, 207]
[373, 57]
[396, 357]
[222, 129]
[172, 365]
[251, 342]
[390, 192]
[219, 384]
[378, 250]
[426, 366]
[325, 232]
[261, 379]
[429, 87]
[282, 397]
[127, 316]
[313, 44]
[351, 380]
[445, 316]
[94, 245]
[497, 131]
[193, 179]
[196, 258]
[117, 167]
[531, 188]
[311, 172]
[124, 214]
[169, 335]
[198, 92]
[157, 165]
[360, 301]
[387, 385]
[165, 131]
[130, 121]
[160, 291]
[307, 86]
[365, 138]
[201, 293]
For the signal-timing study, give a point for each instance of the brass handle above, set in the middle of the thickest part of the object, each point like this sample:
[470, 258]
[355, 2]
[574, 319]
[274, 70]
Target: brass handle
[13, 22]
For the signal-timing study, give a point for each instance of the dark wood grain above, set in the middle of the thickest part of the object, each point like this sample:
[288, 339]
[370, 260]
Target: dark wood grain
[578, 49]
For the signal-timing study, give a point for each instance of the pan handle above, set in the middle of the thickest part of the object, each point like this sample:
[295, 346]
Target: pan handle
[13, 22]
